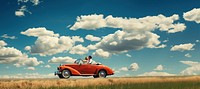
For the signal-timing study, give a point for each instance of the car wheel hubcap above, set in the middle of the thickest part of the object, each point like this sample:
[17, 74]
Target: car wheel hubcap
[66, 74]
[102, 74]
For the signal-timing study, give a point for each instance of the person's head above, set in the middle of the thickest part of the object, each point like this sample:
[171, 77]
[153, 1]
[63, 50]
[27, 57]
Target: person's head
[90, 57]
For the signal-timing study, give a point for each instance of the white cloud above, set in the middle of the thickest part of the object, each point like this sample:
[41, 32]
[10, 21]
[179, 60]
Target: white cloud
[188, 55]
[46, 45]
[193, 15]
[92, 38]
[9, 37]
[183, 47]
[165, 41]
[13, 55]
[28, 48]
[20, 12]
[149, 23]
[193, 69]
[47, 66]
[2, 43]
[79, 49]
[128, 55]
[125, 41]
[159, 68]
[123, 69]
[22, 1]
[154, 73]
[101, 53]
[134, 67]
[62, 59]
[30, 68]
[34, 2]
[197, 41]
[25, 61]
[77, 38]
[90, 22]
[91, 47]
[37, 32]
[49, 43]
[9, 54]
[135, 34]
[177, 28]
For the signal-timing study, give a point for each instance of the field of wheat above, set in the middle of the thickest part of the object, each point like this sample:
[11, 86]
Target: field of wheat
[192, 82]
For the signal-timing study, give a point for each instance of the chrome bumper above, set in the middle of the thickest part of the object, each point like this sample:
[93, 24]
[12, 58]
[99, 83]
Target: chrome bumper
[57, 72]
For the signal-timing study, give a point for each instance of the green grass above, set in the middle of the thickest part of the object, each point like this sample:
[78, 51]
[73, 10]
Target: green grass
[154, 85]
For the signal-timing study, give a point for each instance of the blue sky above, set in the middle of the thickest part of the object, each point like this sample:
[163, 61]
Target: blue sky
[133, 37]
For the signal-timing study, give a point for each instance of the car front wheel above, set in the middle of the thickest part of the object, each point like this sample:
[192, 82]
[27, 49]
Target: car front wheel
[66, 74]
[102, 74]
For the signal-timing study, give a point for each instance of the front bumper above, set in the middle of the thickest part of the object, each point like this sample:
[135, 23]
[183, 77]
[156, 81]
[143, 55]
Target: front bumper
[57, 73]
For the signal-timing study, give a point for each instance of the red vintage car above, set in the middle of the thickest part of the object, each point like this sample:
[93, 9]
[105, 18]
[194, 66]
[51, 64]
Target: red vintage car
[80, 69]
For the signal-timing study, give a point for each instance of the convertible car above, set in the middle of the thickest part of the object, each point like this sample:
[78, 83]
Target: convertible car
[81, 69]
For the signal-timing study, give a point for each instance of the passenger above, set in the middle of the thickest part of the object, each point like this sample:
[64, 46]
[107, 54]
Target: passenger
[88, 60]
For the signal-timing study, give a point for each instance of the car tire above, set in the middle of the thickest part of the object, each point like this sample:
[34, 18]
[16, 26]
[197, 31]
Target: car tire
[102, 74]
[95, 76]
[60, 76]
[65, 74]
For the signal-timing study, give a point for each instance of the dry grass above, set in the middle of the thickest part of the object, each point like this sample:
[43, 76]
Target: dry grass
[59, 83]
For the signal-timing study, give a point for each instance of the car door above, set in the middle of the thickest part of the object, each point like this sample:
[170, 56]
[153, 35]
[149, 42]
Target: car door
[86, 68]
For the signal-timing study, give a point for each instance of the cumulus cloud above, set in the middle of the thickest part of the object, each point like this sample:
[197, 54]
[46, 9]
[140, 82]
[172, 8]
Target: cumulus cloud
[41, 31]
[34, 2]
[183, 47]
[91, 47]
[28, 48]
[134, 67]
[77, 38]
[92, 38]
[61, 60]
[8, 37]
[30, 68]
[193, 15]
[135, 34]
[20, 12]
[79, 49]
[128, 55]
[90, 22]
[49, 43]
[188, 55]
[123, 69]
[154, 73]
[47, 66]
[193, 69]
[101, 53]
[25, 61]
[149, 23]
[125, 41]
[159, 68]
[2, 43]
[15, 56]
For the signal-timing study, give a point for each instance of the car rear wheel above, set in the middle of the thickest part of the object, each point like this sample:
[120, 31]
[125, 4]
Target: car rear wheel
[102, 74]
[65, 74]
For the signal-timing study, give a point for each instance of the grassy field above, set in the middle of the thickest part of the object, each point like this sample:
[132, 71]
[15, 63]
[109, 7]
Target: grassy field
[192, 82]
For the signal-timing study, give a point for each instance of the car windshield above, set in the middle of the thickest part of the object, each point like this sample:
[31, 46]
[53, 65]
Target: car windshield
[80, 61]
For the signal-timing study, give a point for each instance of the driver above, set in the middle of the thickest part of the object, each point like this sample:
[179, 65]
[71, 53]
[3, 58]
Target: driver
[88, 60]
